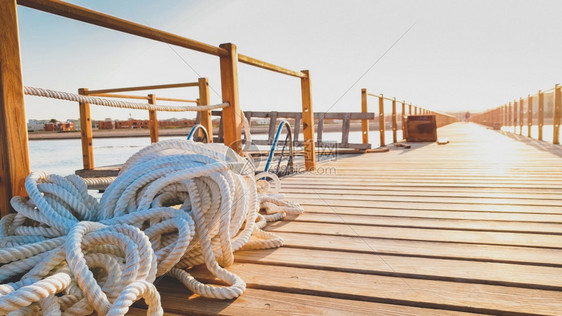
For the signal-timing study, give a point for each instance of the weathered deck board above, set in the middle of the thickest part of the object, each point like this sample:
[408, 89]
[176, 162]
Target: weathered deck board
[271, 302]
[461, 224]
[402, 212]
[426, 249]
[472, 226]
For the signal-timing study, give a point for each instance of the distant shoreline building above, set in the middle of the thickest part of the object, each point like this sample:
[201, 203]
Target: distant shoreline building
[59, 127]
[132, 123]
[34, 125]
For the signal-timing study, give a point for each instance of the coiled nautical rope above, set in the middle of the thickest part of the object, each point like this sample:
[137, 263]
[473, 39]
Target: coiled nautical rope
[176, 204]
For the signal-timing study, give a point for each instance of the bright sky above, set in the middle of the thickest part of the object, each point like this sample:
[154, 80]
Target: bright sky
[458, 56]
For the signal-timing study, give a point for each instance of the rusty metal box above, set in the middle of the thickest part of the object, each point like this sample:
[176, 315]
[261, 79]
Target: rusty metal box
[421, 128]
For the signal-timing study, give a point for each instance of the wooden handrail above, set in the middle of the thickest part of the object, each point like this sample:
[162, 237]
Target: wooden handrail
[177, 100]
[82, 14]
[379, 96]
[138, 97]
[79, 13]
[141, 88]
[120, 96]
[265, 65]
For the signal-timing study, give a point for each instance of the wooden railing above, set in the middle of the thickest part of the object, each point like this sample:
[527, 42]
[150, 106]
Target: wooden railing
[86, 133]
[442, 119]
[514, 114]
[296, 118]
[14, 151]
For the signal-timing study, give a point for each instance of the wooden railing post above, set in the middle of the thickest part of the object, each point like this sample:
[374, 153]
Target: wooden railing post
[509, 115]
[410, 109]
[529, 114]
[204, 99]
[364, 123]
[403, 119]
[557, 114]
[152, 120]
[505, 115]
[14, 152]
[514, 117]
[521, 116]
[541, 113]
[502, 116]
[308, 123]
[231, 115]
[381, 120]
[86, 134]
[394, 123]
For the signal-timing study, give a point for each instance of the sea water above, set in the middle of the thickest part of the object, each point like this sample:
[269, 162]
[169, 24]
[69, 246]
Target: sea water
[64, 156]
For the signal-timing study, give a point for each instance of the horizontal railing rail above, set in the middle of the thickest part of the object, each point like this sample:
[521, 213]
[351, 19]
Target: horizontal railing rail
[142, 88]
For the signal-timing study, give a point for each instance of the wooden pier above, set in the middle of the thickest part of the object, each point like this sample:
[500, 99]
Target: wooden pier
[470, 227]
[474, 226]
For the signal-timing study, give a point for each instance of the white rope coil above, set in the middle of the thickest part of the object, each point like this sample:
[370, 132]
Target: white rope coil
[40, 92]
[101, 182]
[176, 204]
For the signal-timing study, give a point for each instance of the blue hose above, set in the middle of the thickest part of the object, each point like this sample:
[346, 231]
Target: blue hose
[195, 128]
[270, 157]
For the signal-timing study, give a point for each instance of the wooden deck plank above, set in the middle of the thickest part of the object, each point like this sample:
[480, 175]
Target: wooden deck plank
[362, 191]
[551, 204]
[313, 199]
[424, 234]
[518, 275]
[269, 302]
[438, 185]
[472, 226]
[431, 249]
[460, 224]
[458, 296]
[445, 214]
